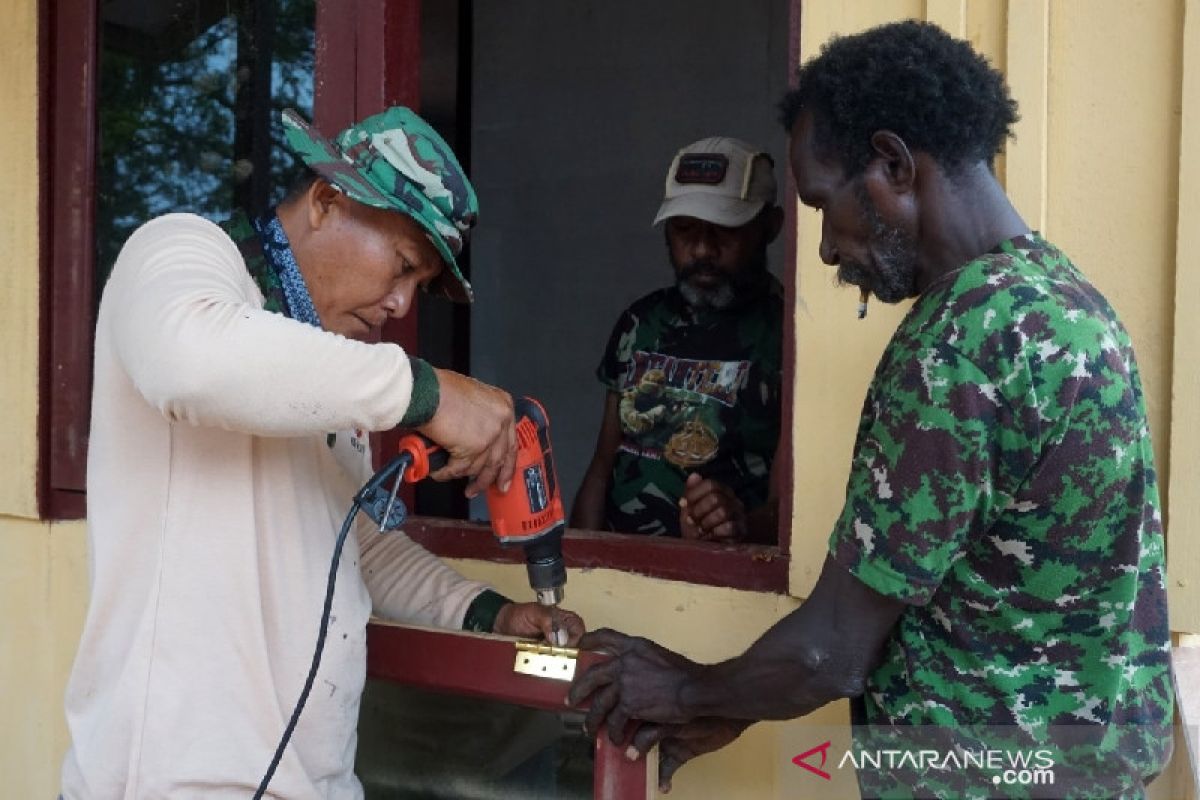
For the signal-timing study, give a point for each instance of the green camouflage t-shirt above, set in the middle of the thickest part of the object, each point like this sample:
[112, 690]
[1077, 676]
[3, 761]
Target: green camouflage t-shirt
[1003, 484]
[699, 393]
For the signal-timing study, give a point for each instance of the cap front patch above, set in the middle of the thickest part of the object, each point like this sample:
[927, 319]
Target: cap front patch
[707, 168]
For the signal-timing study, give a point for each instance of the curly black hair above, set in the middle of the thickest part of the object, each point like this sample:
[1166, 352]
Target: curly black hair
[912, 78]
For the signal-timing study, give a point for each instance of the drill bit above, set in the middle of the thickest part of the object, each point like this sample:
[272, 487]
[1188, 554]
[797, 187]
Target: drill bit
[558, 633]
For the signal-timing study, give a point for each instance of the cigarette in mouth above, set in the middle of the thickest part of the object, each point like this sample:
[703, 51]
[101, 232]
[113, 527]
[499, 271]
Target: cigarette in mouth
[862, 303]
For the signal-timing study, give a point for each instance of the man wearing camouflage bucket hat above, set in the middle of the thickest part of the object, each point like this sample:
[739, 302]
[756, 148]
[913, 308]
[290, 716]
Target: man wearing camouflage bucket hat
[237, 374]
[395, 161]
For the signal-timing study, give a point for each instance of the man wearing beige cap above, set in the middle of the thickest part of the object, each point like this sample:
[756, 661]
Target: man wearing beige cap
[692, 371]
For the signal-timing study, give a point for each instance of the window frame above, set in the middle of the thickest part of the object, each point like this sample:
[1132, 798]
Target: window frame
[367, 58]
[759, 568]
[68, 45]
[68, 98]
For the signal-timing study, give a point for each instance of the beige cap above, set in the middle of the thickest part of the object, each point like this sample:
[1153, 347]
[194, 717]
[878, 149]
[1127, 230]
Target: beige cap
[720, 180]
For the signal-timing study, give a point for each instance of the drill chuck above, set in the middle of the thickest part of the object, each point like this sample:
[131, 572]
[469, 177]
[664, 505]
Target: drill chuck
[550, 597]
[544, 563]
[548, 576]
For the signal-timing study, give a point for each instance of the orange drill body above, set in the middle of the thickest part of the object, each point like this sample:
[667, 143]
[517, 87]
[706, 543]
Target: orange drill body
[530, 513]
[532, 507]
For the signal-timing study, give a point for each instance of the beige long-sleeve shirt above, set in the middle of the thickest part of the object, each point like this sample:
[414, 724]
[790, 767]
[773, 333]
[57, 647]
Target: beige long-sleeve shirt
[214, 500]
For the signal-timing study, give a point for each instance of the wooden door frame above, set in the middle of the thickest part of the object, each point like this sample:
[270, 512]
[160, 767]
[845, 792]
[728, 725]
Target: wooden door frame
[482, 666]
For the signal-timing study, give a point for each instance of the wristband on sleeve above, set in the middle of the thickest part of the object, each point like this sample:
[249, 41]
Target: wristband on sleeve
[425, 394]
[481, 614]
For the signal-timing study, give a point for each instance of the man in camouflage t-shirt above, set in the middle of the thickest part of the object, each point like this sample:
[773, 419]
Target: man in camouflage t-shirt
[693, 370]
[993, 600]
[1003, 486]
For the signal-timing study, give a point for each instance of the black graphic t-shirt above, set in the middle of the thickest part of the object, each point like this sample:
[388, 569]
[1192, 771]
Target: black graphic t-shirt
[699, 393]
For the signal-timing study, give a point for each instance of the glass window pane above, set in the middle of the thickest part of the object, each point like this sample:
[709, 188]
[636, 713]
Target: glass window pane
[189, 103]
[415, 744]
[660, 75]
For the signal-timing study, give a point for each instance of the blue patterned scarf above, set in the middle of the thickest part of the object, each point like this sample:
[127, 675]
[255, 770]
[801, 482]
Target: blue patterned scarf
[277, 253]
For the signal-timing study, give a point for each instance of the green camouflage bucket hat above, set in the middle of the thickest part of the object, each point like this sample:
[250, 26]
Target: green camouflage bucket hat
[394, 160]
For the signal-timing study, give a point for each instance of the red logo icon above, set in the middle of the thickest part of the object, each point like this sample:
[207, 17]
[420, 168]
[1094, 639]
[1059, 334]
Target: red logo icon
[823, 749]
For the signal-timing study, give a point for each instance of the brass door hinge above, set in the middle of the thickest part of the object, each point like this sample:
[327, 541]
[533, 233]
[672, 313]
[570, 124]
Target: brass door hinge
[545, 661]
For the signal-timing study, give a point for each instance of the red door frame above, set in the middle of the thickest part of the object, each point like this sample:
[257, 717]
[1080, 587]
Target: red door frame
[482, 666]
[67, 153]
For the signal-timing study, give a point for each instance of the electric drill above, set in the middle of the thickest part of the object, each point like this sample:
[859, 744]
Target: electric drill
[529, 514]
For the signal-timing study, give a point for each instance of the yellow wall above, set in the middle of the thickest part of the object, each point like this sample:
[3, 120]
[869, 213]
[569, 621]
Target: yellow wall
[19, 274]
[1103, 165]
[43, 580]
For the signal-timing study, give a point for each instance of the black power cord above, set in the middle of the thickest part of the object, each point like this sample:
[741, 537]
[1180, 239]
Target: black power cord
[377, 504]
[316, 660]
